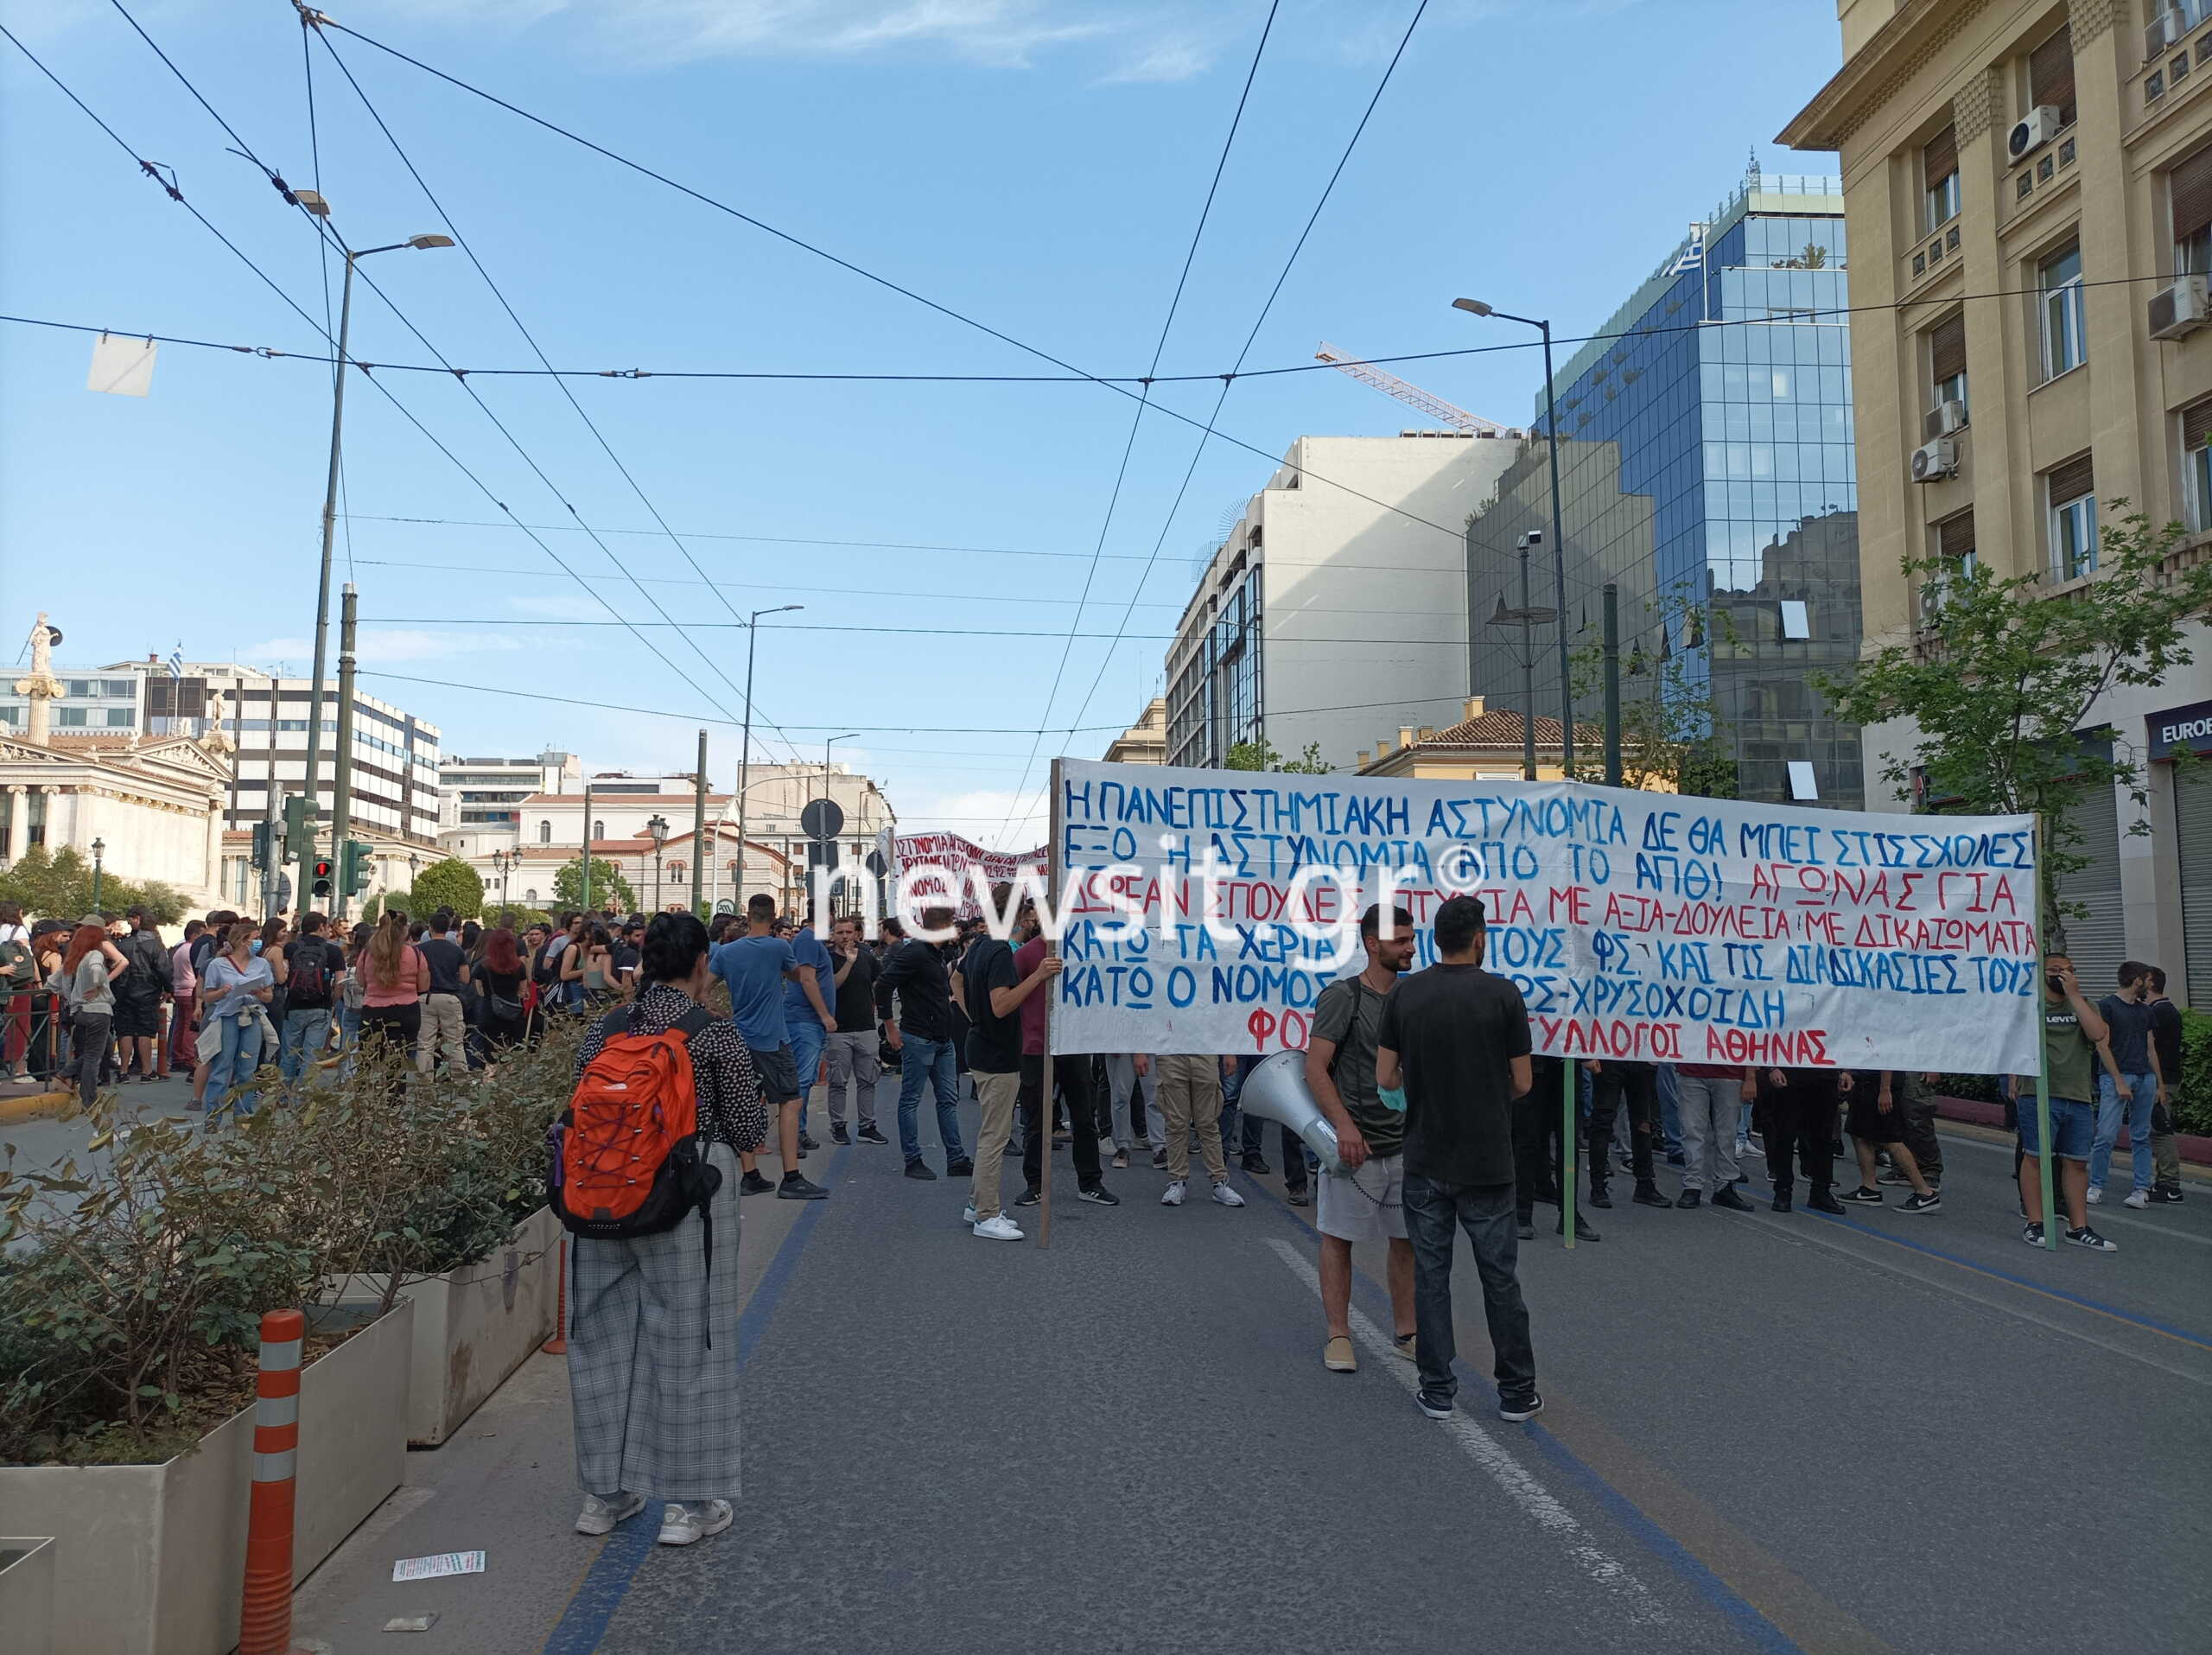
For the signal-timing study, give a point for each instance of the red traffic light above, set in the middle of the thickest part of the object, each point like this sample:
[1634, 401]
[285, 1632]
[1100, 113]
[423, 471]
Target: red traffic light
[322, 869]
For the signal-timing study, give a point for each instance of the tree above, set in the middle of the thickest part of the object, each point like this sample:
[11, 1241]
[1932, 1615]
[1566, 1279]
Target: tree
[453, 884]
[1999, 683]
[1261, 755]
[606, 880]
[58, 885]
[1670, 728]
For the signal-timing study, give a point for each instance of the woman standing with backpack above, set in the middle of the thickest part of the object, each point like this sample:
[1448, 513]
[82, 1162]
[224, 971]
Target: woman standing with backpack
[652, 1348]
[501, 975]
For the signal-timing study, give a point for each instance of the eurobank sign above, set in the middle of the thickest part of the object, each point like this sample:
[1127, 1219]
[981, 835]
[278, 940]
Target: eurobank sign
[2183, 729]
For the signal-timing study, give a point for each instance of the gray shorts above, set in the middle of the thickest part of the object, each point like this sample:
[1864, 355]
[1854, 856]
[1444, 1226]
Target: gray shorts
[1369, 1204]
[778, 1074]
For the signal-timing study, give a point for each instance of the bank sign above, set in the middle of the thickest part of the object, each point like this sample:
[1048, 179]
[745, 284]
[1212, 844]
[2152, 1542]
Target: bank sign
[2183, 730]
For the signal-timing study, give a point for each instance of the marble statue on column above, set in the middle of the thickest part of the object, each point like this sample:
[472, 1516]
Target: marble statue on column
[42, 689]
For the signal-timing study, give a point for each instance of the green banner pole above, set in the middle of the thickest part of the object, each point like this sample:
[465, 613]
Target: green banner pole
[2050, 1221]
[1567, 1146]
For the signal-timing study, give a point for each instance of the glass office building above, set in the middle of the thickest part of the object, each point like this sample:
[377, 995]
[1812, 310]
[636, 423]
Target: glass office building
[1706, 469]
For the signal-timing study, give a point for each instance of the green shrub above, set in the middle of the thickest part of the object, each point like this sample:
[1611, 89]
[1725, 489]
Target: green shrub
[2192, 1099]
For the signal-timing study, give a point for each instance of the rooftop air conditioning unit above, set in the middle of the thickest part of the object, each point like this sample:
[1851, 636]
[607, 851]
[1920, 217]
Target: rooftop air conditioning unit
[2179, 310]
[1936, 460]
[1945, 417]
[2031, 135]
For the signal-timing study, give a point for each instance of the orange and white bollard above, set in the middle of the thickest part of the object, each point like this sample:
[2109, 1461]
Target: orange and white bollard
[558, 1345]
[265, 1622]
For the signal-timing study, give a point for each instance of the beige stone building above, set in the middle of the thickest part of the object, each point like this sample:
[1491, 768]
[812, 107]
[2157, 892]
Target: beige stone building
[2028, 191]
[1483, 746]
[1146, 740]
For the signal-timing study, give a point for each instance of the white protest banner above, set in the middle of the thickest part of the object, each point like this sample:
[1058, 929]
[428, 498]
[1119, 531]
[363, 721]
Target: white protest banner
[949, 858]
[1205, 911]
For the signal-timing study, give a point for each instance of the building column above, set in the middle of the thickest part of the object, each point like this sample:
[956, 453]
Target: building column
[14, 825]
[2103, 59]
[2000, 371]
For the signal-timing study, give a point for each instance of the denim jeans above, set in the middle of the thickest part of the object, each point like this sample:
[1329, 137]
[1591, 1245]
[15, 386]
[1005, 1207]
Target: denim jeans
[234, 1065]
[1485, 1212]
[2135, 1110]
[806, 1035]
[306, 1032]
[928, 1062]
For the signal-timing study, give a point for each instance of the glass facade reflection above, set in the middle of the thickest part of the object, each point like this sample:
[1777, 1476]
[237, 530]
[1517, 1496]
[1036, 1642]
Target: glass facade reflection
[1706, 464]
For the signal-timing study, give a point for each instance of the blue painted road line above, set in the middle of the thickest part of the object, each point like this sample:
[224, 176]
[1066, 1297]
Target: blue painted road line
[590, 1612]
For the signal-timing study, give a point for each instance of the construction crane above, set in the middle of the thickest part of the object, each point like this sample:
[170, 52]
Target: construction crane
[1413, 396]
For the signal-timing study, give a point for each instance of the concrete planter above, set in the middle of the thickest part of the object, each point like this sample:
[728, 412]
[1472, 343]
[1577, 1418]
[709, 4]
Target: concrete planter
[475, 1326]
[150, 1560]
[27, 1594]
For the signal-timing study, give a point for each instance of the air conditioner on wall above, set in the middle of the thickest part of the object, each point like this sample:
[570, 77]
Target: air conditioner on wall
[1945, 418]
[2178, 311]
[2030, 135]
[1936, 460]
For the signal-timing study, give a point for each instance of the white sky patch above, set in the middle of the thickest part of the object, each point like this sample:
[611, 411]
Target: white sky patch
[981, 816]
[385, 646]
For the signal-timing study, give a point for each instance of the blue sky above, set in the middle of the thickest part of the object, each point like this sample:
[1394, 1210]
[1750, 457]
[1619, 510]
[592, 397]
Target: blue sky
[1036, 164]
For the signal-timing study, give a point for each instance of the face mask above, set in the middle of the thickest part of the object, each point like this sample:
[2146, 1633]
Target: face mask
[1394, 1098]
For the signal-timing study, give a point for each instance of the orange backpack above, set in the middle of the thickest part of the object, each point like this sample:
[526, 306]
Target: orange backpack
[629, 1155]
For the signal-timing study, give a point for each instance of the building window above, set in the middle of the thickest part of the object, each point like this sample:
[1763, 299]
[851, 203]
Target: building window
[2189, 194]
[69, 717]
[530, 896]
[1939, 179]
[2050, 75]
[2071, 492]
[676, 873]
[1955, 546]
[2063, 345]
[544, 832]
[2197, 464]
[1947, 363]
[120, 718]
[599, 829]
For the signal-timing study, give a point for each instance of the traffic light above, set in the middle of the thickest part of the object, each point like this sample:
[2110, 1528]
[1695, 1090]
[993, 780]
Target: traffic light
[297, 828]
[321, 885]
[354, 870]
[261, 834]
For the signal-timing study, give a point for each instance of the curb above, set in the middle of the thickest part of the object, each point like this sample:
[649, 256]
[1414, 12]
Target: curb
[35, 1105]
[1971, 1111]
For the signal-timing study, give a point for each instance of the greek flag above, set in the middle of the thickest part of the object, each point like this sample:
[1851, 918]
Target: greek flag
[1693, 256]
[176, 660]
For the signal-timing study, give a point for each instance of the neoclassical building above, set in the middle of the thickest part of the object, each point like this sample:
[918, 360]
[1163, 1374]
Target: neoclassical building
[155, 804]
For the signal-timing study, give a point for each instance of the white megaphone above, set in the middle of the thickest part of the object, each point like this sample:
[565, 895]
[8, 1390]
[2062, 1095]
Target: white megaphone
[1277, 1091]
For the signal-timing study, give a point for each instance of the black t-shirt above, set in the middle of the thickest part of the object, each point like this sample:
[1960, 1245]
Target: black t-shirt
[625, 959]
[310, 953]
[855, 1005]
[1456, 1030]
[2165, 1040]
[2129, 1022]
[993, 1042]
[445, 960]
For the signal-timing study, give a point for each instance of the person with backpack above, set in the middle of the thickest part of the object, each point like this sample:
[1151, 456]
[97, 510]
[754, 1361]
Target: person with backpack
[501, 976]
[312, 970]
[653, 1288]
[18, 979]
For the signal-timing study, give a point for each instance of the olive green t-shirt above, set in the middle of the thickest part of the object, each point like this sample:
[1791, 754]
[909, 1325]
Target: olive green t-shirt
[2068, 1055]
[1349, 1013]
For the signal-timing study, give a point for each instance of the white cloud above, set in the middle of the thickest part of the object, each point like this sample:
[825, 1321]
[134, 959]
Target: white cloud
[994, 818]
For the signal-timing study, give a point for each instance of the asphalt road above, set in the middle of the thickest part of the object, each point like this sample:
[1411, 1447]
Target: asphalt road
[1778, 1433]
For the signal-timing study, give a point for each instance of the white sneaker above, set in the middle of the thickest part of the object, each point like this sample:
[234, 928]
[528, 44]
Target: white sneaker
[998, 1227]
[967, 1213]
[2096, 1195]
[694, 1520]
[601, 1515]
[2138, 1198]
[1172, 1195]
[1226, 1196]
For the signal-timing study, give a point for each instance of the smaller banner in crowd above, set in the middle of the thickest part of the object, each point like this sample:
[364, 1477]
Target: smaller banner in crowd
[1206, 910]
[954, 856]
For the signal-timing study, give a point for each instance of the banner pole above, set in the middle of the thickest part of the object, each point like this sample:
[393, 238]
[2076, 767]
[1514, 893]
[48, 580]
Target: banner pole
[2050, 1226]
[1043, 1123]
[1567, 1157]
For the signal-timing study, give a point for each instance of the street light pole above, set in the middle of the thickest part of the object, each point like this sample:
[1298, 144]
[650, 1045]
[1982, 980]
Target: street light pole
[1476, 307]
[1525, 617]
[744, 741]
[321, 209]
[828, 847]
[657, 831]
[100, 849]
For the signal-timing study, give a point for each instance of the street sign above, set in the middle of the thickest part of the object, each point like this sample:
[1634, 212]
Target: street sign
[725, 905]
[821, 820]
[877, 865]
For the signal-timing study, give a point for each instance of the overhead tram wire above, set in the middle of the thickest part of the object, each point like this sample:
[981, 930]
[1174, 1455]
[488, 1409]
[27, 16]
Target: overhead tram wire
[152, 170]
[1166, 326]
[324, 230]
[1390, 642]
[742, 586]
[308, 25]
[1229, 381]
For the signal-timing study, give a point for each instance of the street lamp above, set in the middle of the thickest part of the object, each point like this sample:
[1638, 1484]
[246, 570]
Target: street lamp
[658, 830]
[99, 847]
[502, 862]
[1525, 617]
[1477, 308]
[745, 749]
[321, 209]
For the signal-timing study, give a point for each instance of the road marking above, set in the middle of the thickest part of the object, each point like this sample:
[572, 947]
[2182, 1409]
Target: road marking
[2104, 1213]
[1797, 1233]
[1535, 1501]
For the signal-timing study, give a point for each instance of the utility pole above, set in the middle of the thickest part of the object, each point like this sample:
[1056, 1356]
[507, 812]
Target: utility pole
[341, 803]
[1613, 685]
[699, 829]
[584, 903]
[744, 741]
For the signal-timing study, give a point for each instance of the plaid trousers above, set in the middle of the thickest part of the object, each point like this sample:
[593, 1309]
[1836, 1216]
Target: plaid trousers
[656, 1406]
